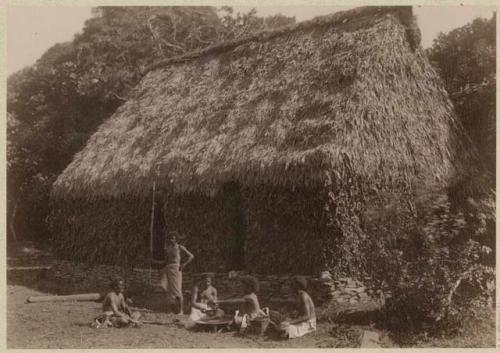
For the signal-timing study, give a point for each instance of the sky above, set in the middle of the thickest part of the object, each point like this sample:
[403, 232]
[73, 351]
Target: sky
[32, 30]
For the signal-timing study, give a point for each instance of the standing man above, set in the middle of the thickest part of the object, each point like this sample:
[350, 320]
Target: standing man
[171, 279]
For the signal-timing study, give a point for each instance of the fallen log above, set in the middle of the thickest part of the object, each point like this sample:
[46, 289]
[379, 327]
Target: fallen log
[61, 298]
[150, 322]
[28, 268]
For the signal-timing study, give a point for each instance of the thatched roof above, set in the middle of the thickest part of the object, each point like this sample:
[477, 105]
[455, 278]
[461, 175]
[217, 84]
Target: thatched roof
[351, 94]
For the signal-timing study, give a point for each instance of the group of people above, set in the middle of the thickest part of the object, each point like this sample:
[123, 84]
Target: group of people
[205, 304]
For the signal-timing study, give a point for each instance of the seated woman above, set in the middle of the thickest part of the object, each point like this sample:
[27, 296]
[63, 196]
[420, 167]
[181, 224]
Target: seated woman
[306, 320]
[203, 302]
[250, 311]
[116, 312]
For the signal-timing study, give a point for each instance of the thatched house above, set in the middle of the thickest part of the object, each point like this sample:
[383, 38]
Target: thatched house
[265, 148]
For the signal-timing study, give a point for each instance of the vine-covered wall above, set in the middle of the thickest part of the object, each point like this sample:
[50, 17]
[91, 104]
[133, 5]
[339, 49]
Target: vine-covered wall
[113, 231]
[261, 229]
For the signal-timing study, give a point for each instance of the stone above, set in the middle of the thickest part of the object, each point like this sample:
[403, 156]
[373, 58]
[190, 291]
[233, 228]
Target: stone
[327, 289]
[351, 283]
[353, 300]
[370, 339]
[325, 276]
[326, 284]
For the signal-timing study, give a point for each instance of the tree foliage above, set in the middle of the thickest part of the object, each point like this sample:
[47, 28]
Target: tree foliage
[56, 104]
[434, 250]
[241, 24]
[466, 60]
[431, 255]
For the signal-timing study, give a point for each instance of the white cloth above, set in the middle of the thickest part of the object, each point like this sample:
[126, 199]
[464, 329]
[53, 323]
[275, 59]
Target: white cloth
[196, 314]
[300, 329]
[243, 321]
[171, 282]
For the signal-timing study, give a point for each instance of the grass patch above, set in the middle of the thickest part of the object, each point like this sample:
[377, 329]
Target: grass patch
[476, 332]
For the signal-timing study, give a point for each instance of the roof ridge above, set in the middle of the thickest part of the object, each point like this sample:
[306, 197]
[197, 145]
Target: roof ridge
[403, 13]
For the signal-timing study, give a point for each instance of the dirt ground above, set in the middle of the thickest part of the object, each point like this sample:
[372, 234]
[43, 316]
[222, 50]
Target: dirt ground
[67, 325]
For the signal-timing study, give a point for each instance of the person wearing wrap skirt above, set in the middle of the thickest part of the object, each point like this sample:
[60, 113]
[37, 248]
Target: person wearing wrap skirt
[306, 321]
[171, 277]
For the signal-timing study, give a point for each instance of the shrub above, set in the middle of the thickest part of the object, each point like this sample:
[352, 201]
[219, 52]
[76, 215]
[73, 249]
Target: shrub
[429, 252]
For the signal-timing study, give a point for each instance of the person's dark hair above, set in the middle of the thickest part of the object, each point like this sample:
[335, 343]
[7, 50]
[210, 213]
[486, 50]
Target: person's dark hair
[207, 275]
[117, 281]
[251, 282]
[299, 282]
[172, 234]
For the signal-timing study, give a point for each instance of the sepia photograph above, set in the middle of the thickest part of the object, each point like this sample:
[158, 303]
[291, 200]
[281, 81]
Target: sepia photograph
[268, 176]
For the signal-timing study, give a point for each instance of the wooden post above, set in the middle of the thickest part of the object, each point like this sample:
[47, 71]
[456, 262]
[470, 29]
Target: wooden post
[12, 222]
[151, 233]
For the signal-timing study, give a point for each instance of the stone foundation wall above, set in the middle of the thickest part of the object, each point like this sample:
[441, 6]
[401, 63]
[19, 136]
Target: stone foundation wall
[274, 290]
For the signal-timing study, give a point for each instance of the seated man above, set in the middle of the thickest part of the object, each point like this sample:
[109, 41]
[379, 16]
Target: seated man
[306, 321]
[250, 311]
[116, 312]
[203, 302]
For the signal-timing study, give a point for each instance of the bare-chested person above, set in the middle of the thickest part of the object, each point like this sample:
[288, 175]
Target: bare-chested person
[171, 279]
[306, 320]
[116, 312]
[250, 307]
[204, 301]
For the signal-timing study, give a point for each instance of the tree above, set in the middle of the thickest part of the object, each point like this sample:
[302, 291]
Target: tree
[55, 105]
[242, 24]
[466, 60]
[435, 249]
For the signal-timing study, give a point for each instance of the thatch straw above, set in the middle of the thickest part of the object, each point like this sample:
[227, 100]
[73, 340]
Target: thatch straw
[345, 95]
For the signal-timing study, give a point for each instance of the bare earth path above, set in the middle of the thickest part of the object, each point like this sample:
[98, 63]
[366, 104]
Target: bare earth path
[66, 325]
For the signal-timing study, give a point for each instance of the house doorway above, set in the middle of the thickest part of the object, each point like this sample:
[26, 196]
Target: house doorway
[158, 232]
[235, 224]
